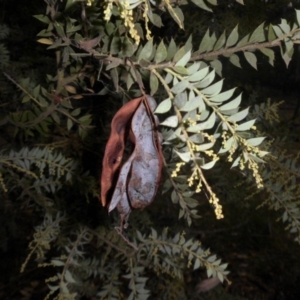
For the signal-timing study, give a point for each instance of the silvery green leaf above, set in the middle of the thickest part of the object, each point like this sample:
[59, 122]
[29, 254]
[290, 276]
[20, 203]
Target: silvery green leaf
[243, 41]
[199, 75]
[193, 68]
[230, 112]
[204, 115]
[217, 66]
[251, 58]
[277, 31]
[221, 41]
[255, 141]
[163, 107]
[172, 48]
[193, 104]
[197, 138]
[246, 126]
[180, 87]
[233, 37]
[285, 27]
[170, 122]
[235, 60]
[214, 88]
[239, 116]
[209, 123]
[213, 40]
[271, 34]
[186, 157]
[191, 95]
[153, 84]
[208, 165]
[258, 35]
[179, 54]
[180, 99]
[204, 147]
[146, 51]
[175, 80]
[207, 80]
[223, 96]
[180, 70]
[184, 60]
[168, 78]
[233, 104]
[161, 53]
[205, 42]
[173, 134]
[236, 162]
[270, 54]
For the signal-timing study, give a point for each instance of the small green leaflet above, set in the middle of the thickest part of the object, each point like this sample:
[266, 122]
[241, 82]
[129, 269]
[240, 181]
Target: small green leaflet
[217, 66]
[223, 96]
[172, 48]
[258, 35]
[186, 157]
[246, 126]
[208, 165]
[184, 60]
[199, 75]
[179, 54]
[207, 80]
[255, 141]
[270, 54]
[221, 41]
[170, 122]
[161, 53]
[235, 60]
[213, 89]
[239, 116]
[163, 107]
[181, 70]
[193, 104]
[194, 68]
[204, 147]
[285, 27]
[153, 84]
[209, 123]
[233, 37]
[277, 31]
[232, 104]
[243, 41]
[146, 51]
[180, 87]
[205, 43]
[180, 100]
[236, 162]
[251, 58]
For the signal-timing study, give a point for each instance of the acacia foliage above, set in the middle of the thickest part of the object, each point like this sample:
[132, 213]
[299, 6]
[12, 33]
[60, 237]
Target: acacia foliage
[105, 50]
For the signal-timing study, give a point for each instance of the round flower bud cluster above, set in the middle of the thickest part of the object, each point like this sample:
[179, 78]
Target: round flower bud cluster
[214, 200]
